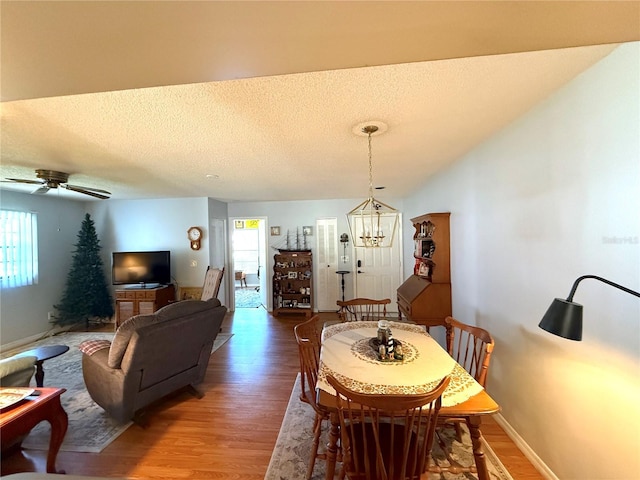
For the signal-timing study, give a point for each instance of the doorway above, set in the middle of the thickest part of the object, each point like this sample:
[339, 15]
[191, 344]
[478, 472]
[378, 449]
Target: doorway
[248, 260]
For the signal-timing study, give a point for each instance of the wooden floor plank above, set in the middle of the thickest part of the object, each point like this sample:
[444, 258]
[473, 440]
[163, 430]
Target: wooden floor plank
[223, 435]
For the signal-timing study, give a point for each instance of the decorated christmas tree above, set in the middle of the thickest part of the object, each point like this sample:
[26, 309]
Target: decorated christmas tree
[86, 296]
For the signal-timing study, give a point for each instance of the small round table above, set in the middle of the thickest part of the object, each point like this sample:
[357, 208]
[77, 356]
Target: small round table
[46, 352]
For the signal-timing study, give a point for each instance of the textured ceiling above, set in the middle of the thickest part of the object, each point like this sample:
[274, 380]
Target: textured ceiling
[268, 133]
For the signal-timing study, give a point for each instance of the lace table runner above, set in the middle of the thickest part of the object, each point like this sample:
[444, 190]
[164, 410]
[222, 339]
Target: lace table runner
[347, 355]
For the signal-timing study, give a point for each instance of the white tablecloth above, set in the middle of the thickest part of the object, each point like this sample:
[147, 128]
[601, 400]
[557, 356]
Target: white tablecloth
[347, 355]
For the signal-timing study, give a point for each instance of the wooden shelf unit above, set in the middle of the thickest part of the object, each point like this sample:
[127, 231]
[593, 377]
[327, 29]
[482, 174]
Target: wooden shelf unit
[425, 297]
[134, 301]
[293, 283]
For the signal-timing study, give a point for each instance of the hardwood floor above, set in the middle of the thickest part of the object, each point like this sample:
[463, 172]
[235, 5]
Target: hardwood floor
[231, 432]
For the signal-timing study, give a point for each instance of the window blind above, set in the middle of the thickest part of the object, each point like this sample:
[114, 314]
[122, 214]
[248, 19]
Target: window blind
[18, 249]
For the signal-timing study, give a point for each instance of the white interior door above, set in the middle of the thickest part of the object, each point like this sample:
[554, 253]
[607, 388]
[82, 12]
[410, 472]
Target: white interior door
[379, 273]
[326, 264]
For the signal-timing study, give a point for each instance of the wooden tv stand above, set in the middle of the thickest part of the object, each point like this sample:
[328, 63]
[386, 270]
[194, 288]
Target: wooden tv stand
[134, 301]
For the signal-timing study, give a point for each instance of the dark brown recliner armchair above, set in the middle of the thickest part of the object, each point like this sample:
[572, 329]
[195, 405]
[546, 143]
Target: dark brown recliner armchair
[151, 356]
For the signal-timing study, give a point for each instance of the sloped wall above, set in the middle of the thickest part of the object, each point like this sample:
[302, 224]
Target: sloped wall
[555, 196]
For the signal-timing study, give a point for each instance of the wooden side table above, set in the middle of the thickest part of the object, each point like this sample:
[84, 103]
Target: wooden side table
[18, 420]
[43, 353]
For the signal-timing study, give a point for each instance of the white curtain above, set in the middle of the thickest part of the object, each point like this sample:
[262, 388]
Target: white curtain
[18, 249]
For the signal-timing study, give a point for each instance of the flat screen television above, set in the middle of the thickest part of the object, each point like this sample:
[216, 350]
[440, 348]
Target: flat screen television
[146, 268]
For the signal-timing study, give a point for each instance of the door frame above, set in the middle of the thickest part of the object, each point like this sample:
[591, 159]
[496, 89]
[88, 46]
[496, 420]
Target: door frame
[263, 264]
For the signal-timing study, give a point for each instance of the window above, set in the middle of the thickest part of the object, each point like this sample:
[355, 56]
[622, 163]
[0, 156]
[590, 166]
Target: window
[18, 249]
[245, 251]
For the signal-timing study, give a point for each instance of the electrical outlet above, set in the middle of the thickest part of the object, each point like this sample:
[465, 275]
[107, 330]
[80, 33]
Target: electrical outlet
[194, 263]
[49, 316]
[344, 258]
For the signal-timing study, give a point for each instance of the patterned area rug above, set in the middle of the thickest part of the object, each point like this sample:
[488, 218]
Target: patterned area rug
[290, 455]
[90, 428]
[247, 298]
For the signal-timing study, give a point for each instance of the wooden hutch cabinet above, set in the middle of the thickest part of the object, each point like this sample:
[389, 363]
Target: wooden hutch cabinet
[425, 297]
[293, 283]
[134, 301]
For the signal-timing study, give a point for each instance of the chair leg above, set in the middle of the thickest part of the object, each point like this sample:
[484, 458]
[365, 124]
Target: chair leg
[458, 432]
[141, 419]
[195, 392]
[317, 428]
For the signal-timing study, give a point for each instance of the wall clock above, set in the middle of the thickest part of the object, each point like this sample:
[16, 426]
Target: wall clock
[195, 236]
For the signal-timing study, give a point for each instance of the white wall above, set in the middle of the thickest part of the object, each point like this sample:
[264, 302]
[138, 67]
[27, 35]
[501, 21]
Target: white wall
[292, 215]
[161, 224]
[23, 310]
[555, 196]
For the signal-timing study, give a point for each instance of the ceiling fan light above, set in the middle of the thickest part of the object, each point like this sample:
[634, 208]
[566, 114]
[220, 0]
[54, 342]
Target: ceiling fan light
[53, 179]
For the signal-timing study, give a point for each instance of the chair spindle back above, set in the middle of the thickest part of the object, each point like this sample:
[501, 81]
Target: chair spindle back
[471, 347]
[386, 437]
[362, 309]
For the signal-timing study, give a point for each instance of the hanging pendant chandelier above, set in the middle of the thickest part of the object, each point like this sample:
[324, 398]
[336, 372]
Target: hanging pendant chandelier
[373, 223]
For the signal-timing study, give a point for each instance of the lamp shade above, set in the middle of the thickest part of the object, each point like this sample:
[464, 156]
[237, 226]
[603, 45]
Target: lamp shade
[563, 318]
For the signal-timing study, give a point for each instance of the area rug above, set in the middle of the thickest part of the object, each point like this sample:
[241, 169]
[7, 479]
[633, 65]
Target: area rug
[220, 340]
[291, 453]
[90, 428]
[247, 298]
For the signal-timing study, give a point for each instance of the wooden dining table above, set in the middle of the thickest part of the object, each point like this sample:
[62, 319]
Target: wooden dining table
[346, 354]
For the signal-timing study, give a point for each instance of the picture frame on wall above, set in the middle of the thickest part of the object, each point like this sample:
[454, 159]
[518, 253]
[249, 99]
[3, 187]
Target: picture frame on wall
[275, 231]
[307, 230]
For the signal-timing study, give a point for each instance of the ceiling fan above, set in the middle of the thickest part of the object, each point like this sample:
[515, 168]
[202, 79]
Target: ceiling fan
[52, 179]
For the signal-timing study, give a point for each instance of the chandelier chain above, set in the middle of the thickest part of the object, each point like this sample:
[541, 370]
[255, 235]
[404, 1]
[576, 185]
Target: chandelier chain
[370, 170]
[373, 224]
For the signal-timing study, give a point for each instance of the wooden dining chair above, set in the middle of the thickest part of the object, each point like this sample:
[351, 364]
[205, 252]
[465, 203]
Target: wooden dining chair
[386, 436]
[362, 309]
[308, 338]
[471, 347]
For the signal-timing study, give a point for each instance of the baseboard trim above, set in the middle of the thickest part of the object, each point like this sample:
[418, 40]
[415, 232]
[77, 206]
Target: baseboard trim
[524, 447]
[8, 347]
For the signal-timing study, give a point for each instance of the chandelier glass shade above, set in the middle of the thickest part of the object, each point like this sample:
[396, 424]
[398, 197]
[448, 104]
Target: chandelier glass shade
[373, 223]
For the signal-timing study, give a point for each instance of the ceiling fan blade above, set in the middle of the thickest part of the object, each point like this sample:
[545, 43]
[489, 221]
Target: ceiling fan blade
[91, 189]
[86, 192]
[22, 180]
[40, 191]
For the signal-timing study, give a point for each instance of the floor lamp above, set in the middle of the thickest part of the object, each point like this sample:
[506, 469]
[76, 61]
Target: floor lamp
[564, 317]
